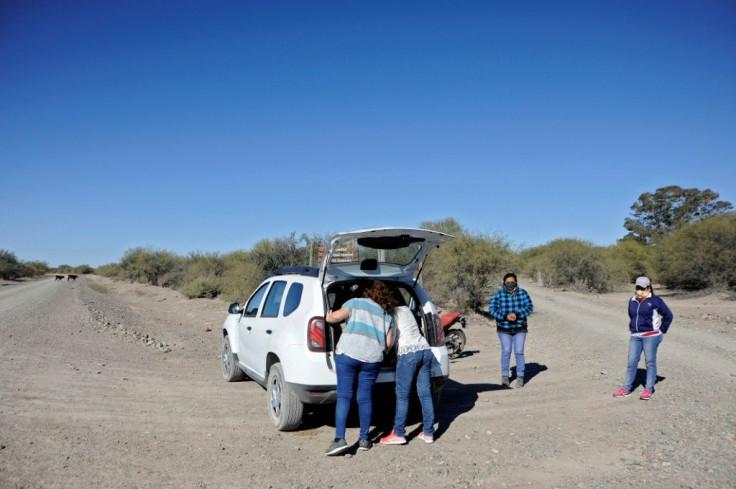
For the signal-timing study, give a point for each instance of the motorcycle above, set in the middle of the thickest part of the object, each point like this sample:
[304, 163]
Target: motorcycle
[454, 338]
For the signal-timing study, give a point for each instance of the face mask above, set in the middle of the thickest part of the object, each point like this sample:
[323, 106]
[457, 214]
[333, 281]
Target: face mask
[509, 286]
[641, 293]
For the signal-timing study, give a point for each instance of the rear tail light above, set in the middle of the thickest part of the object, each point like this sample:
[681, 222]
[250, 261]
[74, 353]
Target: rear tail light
[316, 335]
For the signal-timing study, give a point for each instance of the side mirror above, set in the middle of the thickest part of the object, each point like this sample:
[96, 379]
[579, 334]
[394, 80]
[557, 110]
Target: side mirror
[234, 308]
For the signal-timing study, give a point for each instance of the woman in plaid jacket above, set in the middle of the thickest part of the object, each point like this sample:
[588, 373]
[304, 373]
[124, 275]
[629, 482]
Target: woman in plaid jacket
[510, 306]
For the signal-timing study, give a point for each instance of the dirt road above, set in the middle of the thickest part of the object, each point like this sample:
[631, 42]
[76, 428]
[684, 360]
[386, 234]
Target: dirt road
[108, 384]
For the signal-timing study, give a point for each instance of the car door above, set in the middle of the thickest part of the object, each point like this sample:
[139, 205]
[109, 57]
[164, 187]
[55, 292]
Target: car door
[248, 337]
[265, 328]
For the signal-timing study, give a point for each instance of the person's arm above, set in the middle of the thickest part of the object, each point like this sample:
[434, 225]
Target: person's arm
[494, 309]
[390, 335]
[527, 306]
[667, 316]
[337, 316]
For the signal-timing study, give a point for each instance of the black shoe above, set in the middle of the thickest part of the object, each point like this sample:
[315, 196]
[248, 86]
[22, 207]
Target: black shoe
[365, 445]
[337, 447]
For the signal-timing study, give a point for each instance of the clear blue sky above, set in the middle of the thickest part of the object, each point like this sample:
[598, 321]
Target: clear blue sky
[207, 126]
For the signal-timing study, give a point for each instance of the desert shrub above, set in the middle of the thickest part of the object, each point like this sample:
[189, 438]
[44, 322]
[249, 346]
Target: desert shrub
[270, 255]
[448, 226]
[574, 264]
[205, 286]
[239, 277]
[146, 265]
[633, 258]
[10, 268]
[203, 275]
[83, 269]
[174, 277]
[111, 270]
[699, 255]
[34, 268]
[459, 273]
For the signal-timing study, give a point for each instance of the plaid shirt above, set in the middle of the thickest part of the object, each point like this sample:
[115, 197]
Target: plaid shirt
[503, 304]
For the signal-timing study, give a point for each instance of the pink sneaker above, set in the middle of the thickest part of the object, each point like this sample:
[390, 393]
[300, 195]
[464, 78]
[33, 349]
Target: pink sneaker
[426, 438]
[622, 393]
[393, 439]
[646, 395]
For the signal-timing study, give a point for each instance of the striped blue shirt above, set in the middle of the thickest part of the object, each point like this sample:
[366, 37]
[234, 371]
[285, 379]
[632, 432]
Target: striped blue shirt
[364, 336]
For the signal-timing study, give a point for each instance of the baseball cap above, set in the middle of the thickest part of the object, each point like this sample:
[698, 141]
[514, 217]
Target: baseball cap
[643, 282]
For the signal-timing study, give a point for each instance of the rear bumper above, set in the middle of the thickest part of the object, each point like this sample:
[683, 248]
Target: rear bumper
[315, 394]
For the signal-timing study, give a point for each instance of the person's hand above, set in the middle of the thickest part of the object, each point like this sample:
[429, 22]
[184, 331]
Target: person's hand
[511, 317]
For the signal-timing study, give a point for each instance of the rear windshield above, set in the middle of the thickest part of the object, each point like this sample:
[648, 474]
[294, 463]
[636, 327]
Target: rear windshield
[359, 250]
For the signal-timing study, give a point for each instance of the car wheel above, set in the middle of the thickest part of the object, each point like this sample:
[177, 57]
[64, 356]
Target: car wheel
[284, 408]
[230, 371]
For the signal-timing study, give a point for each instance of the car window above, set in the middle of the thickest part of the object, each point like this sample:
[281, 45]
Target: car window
[379, 250]
[273, 300]
[251, 309]
[293, 298]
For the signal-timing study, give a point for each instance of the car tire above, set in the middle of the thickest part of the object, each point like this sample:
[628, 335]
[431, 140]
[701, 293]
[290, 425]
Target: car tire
[230, 371]
[284, 409]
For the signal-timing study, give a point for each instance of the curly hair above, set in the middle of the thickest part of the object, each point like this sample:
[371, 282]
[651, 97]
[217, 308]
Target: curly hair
[382, 295]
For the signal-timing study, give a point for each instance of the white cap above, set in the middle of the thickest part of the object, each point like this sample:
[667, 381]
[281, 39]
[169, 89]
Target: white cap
[643, 282]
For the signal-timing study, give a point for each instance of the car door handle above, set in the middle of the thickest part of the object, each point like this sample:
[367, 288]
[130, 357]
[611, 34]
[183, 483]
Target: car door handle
[268, 331]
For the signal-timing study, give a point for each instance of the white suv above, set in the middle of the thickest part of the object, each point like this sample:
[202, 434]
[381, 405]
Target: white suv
[280, 338]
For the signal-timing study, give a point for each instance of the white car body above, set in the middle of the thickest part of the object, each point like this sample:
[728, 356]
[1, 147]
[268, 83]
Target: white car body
[280, 338]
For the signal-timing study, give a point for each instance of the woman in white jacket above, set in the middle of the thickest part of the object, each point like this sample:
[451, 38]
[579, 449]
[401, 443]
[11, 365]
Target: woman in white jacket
[414, 361]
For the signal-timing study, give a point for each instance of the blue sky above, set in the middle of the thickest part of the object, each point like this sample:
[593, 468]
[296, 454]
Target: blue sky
[207, 126]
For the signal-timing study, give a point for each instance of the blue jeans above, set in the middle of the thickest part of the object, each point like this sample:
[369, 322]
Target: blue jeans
[352, 373]
[409, 366]
[649, 345]
[517, 342]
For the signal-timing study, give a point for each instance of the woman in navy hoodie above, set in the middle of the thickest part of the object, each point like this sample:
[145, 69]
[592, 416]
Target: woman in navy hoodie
[650, 319]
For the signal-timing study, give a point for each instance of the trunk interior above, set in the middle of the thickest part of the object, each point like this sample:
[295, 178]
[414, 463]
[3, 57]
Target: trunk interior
[341, 292]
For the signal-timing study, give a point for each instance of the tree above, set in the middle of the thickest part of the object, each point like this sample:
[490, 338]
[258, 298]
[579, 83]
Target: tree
[9, 266]
[656, 215]
[700, 255]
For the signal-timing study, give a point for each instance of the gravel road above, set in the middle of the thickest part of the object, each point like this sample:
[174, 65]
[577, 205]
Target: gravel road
[114, 385]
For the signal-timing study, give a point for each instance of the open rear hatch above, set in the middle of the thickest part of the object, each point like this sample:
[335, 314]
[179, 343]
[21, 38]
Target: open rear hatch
[378, 253]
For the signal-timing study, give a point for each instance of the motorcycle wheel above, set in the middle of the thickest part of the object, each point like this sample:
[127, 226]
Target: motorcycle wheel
[455, 342]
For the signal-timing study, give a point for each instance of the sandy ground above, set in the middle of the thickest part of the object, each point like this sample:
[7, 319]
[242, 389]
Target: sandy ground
[109, 384]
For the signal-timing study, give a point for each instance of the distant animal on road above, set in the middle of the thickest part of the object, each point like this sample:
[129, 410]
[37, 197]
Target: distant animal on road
[59, 277]
[71, 277]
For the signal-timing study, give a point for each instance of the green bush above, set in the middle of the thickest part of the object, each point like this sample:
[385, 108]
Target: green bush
[202, 276]
[111, 270]
[573, 264]
[239, 278]
[699, 255]
[146, 265]
[10, 269]
[633, 258]
[459, 273]
[34, 268]
[207, 286]
[270, 255]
